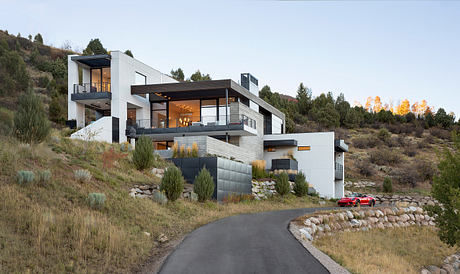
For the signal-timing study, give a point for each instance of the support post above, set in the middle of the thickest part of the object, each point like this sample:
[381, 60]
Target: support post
[226, 108]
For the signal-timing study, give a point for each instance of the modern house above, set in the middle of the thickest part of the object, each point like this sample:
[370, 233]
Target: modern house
[116, 98]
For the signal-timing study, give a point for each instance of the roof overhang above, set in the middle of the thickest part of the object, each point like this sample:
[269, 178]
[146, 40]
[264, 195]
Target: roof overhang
[201, 89]
[340, 146]
[280, 143]
[93, 61]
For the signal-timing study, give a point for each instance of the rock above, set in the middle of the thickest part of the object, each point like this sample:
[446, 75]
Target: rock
[146, 234]
[193, 196]
[449, 268]
[307, 222]
[349, 215]
[145, 187]
[430, 203]
[425, 271]
[314, 220]
[132, 194]
[306, 234]
[162, 238]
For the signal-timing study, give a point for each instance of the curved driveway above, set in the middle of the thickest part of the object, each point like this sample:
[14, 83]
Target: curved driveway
[247, 243]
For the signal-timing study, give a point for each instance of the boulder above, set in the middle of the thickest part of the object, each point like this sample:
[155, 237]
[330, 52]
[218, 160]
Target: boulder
[304, 233]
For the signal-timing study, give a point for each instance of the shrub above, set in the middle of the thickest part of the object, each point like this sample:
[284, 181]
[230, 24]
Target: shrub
[440, 133]
[194, 150]
[31, 124]
[429, 139]
[143, 153]
[425, 169]
[82, 175]
[387, 185]
[410, 151]
[43, 81]
[172, 183]
[282, 186]
[175, 149]
[160, 197]
[384, 135]
[43, 176]
[25, 177]
[182, 151]
[6, 121]
[300, 185]
[384, 157]
[365, 168]
[258, 169]
[125, 147]
[406, 175]
[418, 131]
[96, 200]
[189, 152]
[203, 185]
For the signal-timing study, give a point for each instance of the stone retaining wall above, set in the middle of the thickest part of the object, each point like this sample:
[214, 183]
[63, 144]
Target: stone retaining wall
[451, 265]
[403, 200]
[319, 224]
[265, 188]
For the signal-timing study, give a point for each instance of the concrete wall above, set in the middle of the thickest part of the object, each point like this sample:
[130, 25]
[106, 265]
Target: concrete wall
[75, 111]
[209, 145]
[252, 144]
[317, 163]
[100, 130]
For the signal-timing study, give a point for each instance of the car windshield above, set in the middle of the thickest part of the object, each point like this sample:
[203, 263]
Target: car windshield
[354, 195]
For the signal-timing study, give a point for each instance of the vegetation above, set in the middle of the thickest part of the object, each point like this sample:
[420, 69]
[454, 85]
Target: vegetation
[96, 200]
[300, 185]
[387, 185]
[258, 169]
[282, 186]
[94, 47]
[82, 175]
[178, 74]
[31, 124]
[25, 177]
[43, 176]
[172, 183]
[143, 156]
[409, 249]
[203, 185]
[446, 190]
[129, 53]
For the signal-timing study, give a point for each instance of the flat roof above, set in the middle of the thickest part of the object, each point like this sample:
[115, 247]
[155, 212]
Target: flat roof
[100, 60]
[202, 89]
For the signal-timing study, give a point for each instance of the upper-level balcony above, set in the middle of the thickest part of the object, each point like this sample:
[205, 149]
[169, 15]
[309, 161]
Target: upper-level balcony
[91, 87]
[96, 94]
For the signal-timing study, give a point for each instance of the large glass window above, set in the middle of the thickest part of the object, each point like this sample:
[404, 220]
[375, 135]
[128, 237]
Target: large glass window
[254, 106]
[277, 125]
[209, 111]
[159, 115]
[184, 113]
[222, 112]
[100, 80]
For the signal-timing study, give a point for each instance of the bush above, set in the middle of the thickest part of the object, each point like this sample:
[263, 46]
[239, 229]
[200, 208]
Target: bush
[440, 133]
[203, 185]
[172, 183]
[366, 142]
[25, 177]
[365, 168]
[384, 157]
[406, 175]
[300, 185]
[82, 175]
[418, 131]
[160, 197]
[143, 153]
[383, 135]
[282, 186]
[258, 169]
[96, 200]
[6, 121]
[30, 121]
[425, 169]
[387, 185]
[194, 150]
[175, 149]
[43, 176]
[410, 151]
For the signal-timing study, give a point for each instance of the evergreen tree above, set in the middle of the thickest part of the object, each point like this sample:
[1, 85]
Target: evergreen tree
[129, 53]
[30, 121]
[38, 38]
[203, 185]
[178, 74]
[143, 153]
[198, 76]
[303, 99]
[443, 119]
[94, 47]
[300, 185]
[342, 107]
[56, 111]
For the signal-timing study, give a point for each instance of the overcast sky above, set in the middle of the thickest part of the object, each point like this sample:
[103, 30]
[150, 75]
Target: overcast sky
[394, 49]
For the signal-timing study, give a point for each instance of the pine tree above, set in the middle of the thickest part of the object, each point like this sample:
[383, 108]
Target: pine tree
[143, 153]
[30, 121]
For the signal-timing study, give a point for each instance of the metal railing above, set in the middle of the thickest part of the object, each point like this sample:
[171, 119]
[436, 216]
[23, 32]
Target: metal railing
[92, 87]
[190, 121]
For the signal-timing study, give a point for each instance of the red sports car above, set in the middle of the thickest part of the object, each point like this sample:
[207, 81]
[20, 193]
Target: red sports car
[356, 199]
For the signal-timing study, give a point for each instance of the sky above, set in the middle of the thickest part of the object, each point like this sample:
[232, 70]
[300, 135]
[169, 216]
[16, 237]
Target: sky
[394, 49]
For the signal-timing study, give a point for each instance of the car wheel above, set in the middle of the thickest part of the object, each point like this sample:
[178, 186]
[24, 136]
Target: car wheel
[372, 203]
[357, 203]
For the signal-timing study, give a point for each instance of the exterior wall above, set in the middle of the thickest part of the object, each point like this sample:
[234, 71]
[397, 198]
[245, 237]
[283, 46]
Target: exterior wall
[123, 72]
[100, 130]
[317, 163]
[253, 144]
[75, 111]
[208, 145]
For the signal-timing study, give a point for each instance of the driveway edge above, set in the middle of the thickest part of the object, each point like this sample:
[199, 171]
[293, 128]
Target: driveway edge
[331, 265]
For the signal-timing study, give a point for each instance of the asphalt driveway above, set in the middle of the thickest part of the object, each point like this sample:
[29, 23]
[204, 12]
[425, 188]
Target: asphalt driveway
[248, 243]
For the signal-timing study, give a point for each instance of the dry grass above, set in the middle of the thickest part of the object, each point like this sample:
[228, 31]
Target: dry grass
[399, 250]
[50, 228]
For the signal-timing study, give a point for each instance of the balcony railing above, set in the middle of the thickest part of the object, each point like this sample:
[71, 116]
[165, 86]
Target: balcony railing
[187, 121]
[91, 87]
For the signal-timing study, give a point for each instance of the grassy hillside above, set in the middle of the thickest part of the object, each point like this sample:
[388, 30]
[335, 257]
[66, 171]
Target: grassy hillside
[50, 227]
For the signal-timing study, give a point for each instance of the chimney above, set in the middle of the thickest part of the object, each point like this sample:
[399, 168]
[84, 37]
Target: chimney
[250, 83]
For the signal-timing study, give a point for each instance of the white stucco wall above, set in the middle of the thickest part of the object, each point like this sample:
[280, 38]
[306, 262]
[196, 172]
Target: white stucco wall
[317, 163]
[99, 130]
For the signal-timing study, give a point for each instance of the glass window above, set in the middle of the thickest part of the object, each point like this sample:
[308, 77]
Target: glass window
[95, 80]
[106, 79]
[159, 115]
[222, 120]
[277, 125]
[140, 79]
[253, 106]
[184, 113]
[209, 111]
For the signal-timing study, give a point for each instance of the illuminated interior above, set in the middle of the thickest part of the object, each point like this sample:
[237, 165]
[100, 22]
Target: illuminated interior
[184, 113]
[100, 80]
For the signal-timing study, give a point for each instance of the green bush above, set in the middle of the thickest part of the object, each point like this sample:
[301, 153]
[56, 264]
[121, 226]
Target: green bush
[25, 177]
[258, 173]
[300, 185]
[82, 175]
[43, 176]
[387, 185]
[6, 121]
[384, 135]
[172, 183]
[30, 121]
[282, 186]
[160, 197]
[143, 153]
[96, 200]
[203, 185]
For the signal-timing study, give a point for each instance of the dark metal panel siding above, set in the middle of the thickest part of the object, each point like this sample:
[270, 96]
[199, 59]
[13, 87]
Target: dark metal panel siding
[232, 177]
[115, 130]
